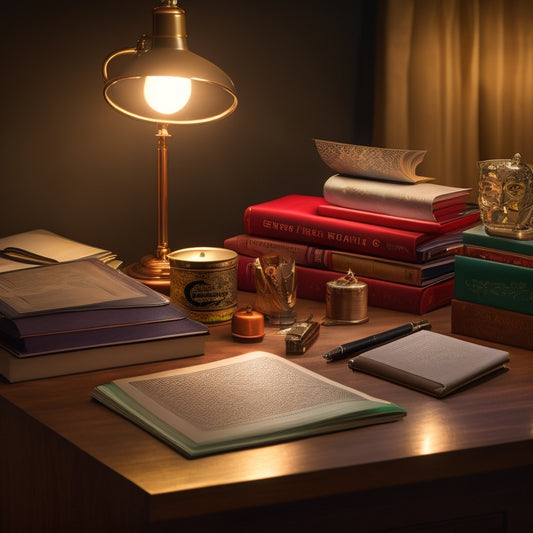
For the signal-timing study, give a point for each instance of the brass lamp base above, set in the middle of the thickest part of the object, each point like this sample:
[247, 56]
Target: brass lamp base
[152, 271]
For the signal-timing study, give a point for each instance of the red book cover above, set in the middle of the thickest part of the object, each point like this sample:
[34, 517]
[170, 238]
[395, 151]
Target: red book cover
[470, 218]
[396, 296]
[295, 218]
[499, 256]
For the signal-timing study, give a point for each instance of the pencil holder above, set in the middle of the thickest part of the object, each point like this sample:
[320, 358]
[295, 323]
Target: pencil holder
[275, 283]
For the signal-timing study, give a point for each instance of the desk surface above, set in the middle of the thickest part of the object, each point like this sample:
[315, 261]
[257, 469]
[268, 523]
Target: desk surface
[487, 427]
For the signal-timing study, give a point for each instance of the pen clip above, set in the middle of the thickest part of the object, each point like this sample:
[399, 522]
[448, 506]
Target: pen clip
[423, 324]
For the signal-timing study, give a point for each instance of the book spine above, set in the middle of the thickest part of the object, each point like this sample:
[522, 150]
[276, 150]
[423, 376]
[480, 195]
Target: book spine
[373, 268]
[495, 284]
[499, 256]
[492, 324]
[257, 246]
[295, 225]
[312, 282]
[316, 257]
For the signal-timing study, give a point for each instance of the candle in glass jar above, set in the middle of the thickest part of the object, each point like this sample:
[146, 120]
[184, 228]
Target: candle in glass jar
[203, 282]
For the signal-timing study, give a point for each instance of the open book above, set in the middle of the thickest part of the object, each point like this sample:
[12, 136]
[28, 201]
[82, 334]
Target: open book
[244, 401]
[372, 162]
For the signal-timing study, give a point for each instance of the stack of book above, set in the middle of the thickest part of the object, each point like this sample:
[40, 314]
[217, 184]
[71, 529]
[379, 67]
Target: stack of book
[391, 228]
[494, 289]
[84, 315]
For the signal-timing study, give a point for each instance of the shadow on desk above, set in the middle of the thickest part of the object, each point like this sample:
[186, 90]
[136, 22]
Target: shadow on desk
[489, 503]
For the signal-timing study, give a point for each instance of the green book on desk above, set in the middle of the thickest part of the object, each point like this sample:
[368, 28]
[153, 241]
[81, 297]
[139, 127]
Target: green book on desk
[250, 400]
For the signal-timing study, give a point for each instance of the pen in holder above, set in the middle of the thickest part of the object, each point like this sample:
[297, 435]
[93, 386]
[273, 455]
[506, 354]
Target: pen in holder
[275, 283]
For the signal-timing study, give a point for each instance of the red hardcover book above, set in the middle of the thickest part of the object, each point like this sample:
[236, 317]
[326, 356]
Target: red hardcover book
[396, 296]
[295, 218]
[464, 220]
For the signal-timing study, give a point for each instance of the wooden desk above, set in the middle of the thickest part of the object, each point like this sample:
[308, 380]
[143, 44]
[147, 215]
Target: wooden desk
[464, 463]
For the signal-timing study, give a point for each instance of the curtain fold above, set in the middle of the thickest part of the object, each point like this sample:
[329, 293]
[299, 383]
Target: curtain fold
[455, 77]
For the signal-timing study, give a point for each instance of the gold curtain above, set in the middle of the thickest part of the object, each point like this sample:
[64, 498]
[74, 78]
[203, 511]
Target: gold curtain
[455, 77]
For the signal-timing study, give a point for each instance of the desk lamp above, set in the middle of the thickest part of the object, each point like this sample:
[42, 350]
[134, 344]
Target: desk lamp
[161, 81]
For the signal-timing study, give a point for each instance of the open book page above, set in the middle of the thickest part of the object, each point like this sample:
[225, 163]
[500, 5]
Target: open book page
[414, 202]
[372, 162]
[431, 362]
[48, 245]
[85, 284]
[243, 401]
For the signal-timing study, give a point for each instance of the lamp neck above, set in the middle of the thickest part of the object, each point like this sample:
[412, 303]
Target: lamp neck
[168, 27]
[162, 193]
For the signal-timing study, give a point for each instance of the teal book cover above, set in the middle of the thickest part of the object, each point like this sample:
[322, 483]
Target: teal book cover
[496, 284]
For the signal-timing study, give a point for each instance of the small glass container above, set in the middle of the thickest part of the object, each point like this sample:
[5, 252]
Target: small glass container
[275, 283]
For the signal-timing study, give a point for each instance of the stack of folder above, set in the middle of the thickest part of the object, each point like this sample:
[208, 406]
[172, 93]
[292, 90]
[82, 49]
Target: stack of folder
[84, 315]
[494, 289]
[398, 237]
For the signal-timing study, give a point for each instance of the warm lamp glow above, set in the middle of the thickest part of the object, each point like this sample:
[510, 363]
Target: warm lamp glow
[167, 94]
[161, 81]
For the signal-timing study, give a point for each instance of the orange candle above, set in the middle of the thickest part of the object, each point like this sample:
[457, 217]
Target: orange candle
[248, 325]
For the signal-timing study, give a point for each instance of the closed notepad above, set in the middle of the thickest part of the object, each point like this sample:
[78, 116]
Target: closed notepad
[430, 362]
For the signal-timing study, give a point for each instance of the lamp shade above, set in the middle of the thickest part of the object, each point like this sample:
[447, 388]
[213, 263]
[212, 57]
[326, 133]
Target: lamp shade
[212, 93]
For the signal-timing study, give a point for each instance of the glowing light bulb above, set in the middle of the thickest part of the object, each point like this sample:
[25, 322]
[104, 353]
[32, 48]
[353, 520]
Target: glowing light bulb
[166, 94]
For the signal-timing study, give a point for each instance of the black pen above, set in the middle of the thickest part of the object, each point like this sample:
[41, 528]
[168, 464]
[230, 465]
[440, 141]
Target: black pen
[351, 348]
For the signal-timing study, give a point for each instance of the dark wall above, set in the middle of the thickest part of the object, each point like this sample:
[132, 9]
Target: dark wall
[73, 165]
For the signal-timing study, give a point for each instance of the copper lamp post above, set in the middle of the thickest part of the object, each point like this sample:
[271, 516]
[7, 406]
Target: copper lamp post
[161, 81]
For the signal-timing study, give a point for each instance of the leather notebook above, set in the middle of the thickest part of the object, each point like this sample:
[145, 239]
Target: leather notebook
[430, 362]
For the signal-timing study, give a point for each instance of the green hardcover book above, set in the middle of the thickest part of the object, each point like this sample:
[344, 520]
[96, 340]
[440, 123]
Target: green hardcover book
[479, 237]
[496, 284]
